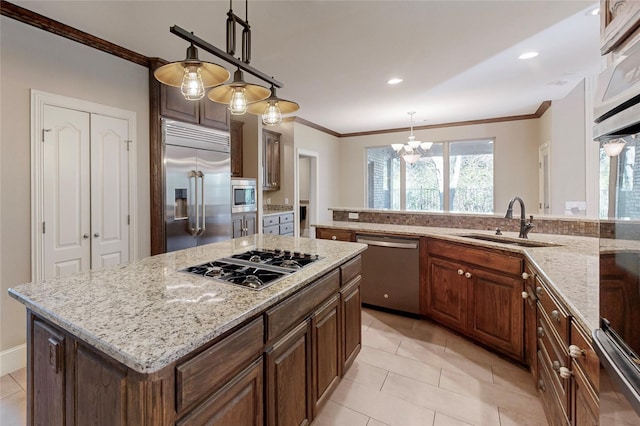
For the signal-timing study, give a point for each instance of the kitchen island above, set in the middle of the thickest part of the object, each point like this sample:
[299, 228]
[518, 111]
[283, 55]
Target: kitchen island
[146, 343]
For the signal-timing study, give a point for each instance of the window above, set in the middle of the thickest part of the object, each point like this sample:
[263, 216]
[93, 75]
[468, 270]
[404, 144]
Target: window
[450, 176]
[620, 183]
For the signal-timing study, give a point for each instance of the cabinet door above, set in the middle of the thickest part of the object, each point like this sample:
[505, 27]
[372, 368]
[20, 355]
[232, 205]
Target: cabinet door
[213, 114]
[352, 322]
[237, 225]
[289, 379]
[271, 160]
[236, 148]
[174, 105]
[250, 224]
[496, 316]
[48, 390]
[335, 234]
[447, 293]
[238, 403]
[585, 401]
[325, 327]
[530, 321]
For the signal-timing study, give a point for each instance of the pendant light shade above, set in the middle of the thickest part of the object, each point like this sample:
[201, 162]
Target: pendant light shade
[191, 75]
[614, 147]
[238, 94]
[272, 108]
[413, 150]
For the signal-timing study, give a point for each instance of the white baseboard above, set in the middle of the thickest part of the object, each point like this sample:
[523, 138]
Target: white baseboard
[13, 359]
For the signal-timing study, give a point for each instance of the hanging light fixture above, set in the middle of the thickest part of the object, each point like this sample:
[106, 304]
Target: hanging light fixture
[413, 149]
[272, 108]
[192, 75]
[614, 147]
[238, 94]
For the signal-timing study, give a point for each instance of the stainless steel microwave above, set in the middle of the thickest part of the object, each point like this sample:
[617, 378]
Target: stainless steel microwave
[243, 195]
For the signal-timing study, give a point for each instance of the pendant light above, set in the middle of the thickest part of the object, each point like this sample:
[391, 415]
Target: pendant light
[238, 94]
[614, 147]
[191, 75]
[272, 108]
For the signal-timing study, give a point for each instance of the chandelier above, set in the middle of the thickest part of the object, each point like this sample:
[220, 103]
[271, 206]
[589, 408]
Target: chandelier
[413, 149]
[193, 76]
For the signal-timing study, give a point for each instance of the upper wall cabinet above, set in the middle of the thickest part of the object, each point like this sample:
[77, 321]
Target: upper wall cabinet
[618, 20]
[203, 112]
[236, 148]
[270, 160]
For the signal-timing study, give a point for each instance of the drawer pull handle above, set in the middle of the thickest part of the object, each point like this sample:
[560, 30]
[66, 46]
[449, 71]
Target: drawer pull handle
[386, 296]
[539, 290]
[525, 276]
[565, 373]
[542, 386]
[540, 332]
[555, 365]
[525, 295]
[555, 315]
[468, 274]
[460, 272]
[334, 238]
[575, 351]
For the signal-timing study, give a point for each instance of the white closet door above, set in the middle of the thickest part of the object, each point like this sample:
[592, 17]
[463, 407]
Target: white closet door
[109, 191]
[66, 192]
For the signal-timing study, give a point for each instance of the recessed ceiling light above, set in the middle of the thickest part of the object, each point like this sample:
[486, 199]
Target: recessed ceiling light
[395, 81]
[528, 55]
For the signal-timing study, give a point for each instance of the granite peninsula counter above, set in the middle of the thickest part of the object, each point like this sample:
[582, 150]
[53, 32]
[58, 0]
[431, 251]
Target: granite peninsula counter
[147, 314]
[571, 267]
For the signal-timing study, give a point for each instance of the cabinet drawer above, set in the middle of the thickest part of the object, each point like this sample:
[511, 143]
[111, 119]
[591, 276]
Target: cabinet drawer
[351, 269]
[286, 218]
[286, 228]
[554, 356]
[335, 234]
[271, 230]
[284, 315]
[270, 220]
[478, 256]
[550, 399]
[209, 370]
[582, 352]
[557, 316]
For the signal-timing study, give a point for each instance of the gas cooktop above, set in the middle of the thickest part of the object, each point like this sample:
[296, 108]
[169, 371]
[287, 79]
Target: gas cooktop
[254, 269]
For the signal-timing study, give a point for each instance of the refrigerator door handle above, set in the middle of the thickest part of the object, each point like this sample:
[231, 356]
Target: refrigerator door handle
[193, 227]
[202, 228]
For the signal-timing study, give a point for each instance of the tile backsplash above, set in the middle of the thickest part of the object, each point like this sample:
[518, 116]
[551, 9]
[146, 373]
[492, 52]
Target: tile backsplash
[544, 225]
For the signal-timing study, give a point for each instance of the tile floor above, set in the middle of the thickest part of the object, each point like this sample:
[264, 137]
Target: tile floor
[409, 373]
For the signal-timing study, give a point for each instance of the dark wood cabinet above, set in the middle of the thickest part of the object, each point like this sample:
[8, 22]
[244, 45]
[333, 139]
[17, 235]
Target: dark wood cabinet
[243, 224]
[212, 114]
[270, 160]
[240, 402]
[288, 364]
[236, 133]
[47, 388]
[475, 291]
[446, 295]
[335, 234]
[530, 322]
[350, 299]
[325, 327]
[173, 105]
[586, 411]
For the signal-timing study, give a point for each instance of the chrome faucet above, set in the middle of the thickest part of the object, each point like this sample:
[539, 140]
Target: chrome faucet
[525, 228]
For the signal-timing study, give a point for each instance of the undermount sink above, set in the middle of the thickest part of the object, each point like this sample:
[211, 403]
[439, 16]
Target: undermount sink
[507, 240]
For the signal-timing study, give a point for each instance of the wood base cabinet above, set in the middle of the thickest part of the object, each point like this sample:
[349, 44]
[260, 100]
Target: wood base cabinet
[475, 291]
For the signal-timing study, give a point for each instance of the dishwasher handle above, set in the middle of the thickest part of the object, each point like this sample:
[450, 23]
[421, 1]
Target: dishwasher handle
[393, 244]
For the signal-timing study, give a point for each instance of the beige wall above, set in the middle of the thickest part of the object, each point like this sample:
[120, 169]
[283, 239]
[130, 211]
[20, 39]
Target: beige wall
[327, 148]
[33, 59]
[515, 159]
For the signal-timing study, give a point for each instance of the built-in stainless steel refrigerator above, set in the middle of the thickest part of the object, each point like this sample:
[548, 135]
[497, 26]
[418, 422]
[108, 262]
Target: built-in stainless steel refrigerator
[198, 185]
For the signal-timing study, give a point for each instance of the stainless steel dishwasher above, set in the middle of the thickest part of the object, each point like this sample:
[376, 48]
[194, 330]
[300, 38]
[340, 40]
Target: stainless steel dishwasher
[390, 272]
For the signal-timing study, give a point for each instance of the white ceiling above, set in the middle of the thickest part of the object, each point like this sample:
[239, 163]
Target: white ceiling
[459, 59]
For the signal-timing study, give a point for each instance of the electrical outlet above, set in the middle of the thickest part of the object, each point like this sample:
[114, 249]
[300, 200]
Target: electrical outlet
[353, 215]
[286, 201]
[268, 200]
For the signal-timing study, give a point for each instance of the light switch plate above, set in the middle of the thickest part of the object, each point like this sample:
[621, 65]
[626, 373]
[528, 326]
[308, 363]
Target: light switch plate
[353, 215]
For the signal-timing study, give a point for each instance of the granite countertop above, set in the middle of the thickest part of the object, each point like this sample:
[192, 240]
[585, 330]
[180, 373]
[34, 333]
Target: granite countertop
[571, 268]
[146, 314]
[274, 209]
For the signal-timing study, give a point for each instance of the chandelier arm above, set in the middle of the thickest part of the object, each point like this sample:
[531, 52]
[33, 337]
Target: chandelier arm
[197, 41]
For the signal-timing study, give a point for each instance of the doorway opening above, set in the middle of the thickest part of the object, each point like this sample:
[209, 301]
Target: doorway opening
[306, 191]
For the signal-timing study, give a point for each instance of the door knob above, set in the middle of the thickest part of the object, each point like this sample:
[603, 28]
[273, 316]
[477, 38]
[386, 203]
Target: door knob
[96, 235]
[85, 236]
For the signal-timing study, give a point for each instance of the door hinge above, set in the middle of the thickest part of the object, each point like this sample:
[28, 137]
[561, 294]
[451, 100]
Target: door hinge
[43, 132]
[128, 143]
[43, 227]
